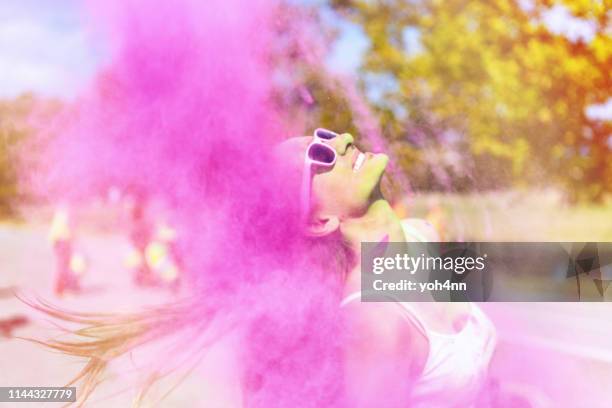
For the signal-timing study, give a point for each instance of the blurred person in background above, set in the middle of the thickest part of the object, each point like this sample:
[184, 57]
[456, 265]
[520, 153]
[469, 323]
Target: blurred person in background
[161, 255]
[140, 235]
[154, 257]
[70, 264]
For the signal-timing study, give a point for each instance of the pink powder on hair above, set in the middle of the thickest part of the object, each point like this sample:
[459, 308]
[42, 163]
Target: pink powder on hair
[183, 115]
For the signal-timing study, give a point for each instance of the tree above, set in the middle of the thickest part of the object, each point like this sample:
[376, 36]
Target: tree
[490, 79]
[18, 119]
[13, 130]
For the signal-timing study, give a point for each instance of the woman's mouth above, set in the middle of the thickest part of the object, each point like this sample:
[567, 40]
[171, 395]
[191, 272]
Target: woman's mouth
[359, 161]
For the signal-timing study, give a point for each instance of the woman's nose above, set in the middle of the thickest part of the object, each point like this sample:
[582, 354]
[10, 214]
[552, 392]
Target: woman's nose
[342, 142]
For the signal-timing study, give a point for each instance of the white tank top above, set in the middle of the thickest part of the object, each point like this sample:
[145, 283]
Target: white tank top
[457, 363]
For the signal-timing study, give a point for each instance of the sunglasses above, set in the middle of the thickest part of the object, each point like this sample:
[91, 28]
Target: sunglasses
[319, 154]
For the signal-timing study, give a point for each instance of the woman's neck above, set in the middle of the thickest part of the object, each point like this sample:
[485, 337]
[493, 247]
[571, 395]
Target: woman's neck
[378, 223]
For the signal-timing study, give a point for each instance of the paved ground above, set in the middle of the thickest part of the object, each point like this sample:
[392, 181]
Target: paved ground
[560, 352]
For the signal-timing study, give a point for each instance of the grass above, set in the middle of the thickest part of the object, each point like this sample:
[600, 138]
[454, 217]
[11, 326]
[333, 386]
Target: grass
[513, 216]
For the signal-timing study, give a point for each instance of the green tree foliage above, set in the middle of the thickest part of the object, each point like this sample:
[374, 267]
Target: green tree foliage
[17, 122]
[13, 130]
[492, 81]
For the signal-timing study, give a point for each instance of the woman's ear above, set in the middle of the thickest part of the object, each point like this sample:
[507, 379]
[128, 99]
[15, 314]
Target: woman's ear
[322, 226]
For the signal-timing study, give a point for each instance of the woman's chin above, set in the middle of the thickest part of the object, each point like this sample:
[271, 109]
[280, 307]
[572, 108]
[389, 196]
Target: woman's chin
[379, 164]
[369, 177]
[386, 157]
[375, 166]
[381, 160]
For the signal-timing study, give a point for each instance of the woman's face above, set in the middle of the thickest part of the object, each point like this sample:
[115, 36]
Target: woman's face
[346, 189]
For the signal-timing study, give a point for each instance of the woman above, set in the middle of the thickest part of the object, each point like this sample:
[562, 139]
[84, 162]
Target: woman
[70, 264]
[445, 348]
[310, 342]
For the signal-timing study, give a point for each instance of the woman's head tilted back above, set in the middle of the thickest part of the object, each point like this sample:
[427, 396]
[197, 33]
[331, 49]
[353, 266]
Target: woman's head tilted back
[293, 353]
[340, 191]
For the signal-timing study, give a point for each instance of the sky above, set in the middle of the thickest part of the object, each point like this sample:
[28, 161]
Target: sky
[46, 48]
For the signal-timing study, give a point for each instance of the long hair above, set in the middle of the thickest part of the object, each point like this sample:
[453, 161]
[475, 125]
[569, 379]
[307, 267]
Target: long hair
[285, 313]
[183, 112]
[252, 272]
[102, 339]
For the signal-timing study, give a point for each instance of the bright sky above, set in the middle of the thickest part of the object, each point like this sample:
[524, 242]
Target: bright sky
[45, 47]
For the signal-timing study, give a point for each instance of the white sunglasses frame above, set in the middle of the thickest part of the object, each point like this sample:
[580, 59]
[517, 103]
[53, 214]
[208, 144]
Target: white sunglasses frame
[306, 189]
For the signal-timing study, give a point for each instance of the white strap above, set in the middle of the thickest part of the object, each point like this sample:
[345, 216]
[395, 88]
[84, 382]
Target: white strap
[412, 232]
[350, 298]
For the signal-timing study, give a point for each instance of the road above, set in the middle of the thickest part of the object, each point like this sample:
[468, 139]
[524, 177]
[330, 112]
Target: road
[560, 354]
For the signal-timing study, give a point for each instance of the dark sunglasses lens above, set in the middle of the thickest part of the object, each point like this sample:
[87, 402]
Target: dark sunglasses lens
[325, 134]
[321, 153]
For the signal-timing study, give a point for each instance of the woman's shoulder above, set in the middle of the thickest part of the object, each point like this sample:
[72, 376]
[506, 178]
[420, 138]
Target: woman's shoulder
[378, 333]
[381, 323]
[419, 230]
